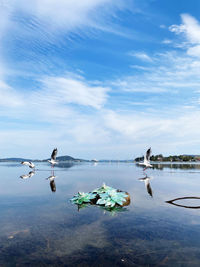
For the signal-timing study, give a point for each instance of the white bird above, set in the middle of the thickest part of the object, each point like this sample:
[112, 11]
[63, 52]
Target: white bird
[51, 177]
[52, 182]
[146, 162]
[147, 184]
[28, 163]
[53, 158]
[29, 175]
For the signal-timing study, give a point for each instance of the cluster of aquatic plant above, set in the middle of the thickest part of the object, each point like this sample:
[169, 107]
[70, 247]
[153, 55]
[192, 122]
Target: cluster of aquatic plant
[106, 196]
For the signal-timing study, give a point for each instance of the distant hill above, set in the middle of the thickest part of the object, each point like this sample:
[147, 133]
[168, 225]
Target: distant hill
[15, 159]
[61, 158]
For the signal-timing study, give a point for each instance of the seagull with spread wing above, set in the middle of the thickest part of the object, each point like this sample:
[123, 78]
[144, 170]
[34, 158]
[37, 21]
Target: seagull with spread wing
[28, 163]
[146, 162]
[53, 158]
[29, 175]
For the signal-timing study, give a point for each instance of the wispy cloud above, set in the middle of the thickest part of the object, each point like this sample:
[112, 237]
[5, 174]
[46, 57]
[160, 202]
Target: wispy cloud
[9, 97]
[173, 71]
[141, 55]
[52, 16]
[167, 41]
[66, 90]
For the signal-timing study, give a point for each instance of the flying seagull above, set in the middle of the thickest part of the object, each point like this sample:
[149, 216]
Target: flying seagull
[53, 158]
[146, 162]
[28, 163]
[29, 175]
[147, 184]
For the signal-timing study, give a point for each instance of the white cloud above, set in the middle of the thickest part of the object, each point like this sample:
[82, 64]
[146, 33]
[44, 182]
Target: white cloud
[190, 29]
[9, 97]
[68, 15]
[141, 55]
[194, 51]
[167, 41]
[165, 135]
[171, 72]
[71, 90]
[136, 126]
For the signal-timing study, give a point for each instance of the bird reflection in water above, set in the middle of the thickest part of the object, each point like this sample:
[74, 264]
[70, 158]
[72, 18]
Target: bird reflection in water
[29, 175]
[147, 184]
[51, 178]
[172, 202]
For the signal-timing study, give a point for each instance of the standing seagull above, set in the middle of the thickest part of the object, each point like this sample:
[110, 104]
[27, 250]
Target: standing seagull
[28, 163]
[53, 158]
[146, 162]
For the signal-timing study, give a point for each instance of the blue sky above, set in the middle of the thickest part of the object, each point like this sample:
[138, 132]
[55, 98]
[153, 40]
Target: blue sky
[99, 78]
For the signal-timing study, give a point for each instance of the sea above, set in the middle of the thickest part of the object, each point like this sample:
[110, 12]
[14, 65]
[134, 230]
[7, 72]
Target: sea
[40, 226]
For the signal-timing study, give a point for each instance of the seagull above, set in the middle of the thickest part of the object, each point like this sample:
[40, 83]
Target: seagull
[146, 162]
[147, 184]
[53, 158]
[52, 182]
[28, 163]
[29, 175]
[51, 177]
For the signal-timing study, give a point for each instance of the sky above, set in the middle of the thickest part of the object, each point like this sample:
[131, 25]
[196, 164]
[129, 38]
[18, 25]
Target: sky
[104, 79]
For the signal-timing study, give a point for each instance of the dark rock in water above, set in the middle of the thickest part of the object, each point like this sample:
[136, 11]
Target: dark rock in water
[128, 200]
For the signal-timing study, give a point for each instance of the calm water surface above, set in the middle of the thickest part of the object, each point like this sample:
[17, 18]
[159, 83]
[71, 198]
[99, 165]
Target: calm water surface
[39, 226]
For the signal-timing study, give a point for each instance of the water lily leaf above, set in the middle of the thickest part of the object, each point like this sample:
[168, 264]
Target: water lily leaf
[120, 202]
[101, 201]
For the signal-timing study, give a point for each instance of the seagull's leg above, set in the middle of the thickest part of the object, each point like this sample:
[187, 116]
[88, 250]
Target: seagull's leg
[144, 169]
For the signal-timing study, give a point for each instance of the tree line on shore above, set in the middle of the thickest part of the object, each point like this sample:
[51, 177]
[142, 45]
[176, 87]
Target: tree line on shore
[171, 158]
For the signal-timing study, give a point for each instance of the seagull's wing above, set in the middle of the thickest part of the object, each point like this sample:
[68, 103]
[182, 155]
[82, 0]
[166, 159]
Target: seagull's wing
[148, 154]
[143, 178]
[54, 153]
[25, 176]
[31, 173]
[149, 190]
[53, 186]
[148, 186]
[25, 163]
[51, 177]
